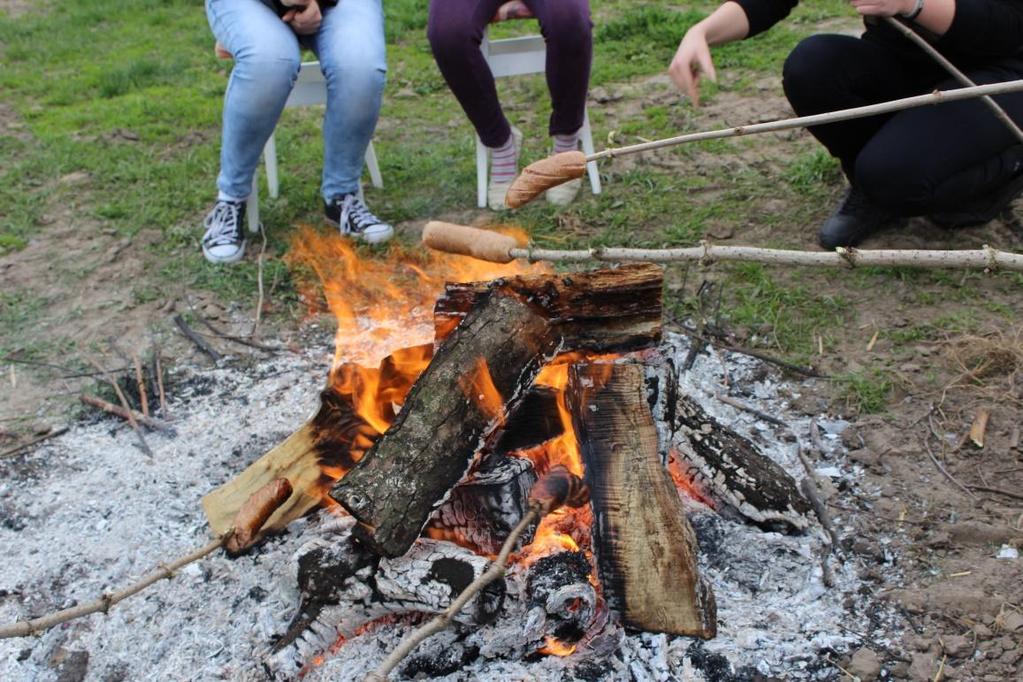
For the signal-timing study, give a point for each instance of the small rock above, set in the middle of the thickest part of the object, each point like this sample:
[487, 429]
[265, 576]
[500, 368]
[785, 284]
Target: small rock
[922, 643]
[900, 670]
[939, 540]
[957, 646]
[1012, 622]
[978, 534]
[75, 178]
[865, 665]
[1008, 552]
[982, 631]
[923, 667]
[864, 456]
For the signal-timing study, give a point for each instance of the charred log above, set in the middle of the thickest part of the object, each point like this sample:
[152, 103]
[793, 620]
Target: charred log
[736, 475]
[600, 311]
[646, 548]
[344, 586]
[481, 511]
[559, 588]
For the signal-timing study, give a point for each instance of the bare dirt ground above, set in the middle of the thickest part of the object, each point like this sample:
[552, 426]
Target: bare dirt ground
[963, 605]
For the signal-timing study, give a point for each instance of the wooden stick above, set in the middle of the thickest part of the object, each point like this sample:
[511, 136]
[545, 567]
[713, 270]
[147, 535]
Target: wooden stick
[127, 415]
[930, 453]
[159, 383]
[984, 258]
[199, 342]
[10, 452]
[936, 97]
[259, 280]
[917, 40]
[739, 405]
[26, 628]
[143, 398]
[997, 491]
[441, 621]
[237, 339]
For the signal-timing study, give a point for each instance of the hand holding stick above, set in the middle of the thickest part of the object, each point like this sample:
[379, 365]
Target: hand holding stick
[540, 176]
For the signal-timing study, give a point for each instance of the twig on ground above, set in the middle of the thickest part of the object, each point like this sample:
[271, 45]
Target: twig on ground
[245, 341]
[143, 398]
[25, 628]
[128, 415]
[739, 405]
[159, 382]
[10, 452]
[259, 281]
[441, 621]
[199, 342]
[722, 343]
[127, 408]
[930, 453]
[997, 491]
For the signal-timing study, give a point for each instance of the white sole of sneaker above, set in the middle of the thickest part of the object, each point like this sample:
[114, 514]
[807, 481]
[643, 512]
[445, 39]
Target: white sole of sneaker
[234, 258]
[377, 238]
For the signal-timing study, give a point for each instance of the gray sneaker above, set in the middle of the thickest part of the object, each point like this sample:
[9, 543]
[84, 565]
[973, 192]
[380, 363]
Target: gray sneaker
[224, 241]
[353, 218]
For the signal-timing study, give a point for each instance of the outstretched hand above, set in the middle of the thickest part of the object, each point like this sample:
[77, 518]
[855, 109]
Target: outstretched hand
[692, 61]
[304, 20]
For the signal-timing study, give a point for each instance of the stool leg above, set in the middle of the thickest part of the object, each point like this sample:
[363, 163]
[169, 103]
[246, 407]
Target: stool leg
[481, 173]
[373, 167]
[270, 157]
[591, 167]
[252, 205]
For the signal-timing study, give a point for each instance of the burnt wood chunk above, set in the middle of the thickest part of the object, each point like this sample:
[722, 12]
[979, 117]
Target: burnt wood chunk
[608, 310]
[736, 475]
[443, 423]
[344, 586]
[645, 547]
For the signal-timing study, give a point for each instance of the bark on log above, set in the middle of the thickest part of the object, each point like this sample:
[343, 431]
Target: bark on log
[431, 444]
[601, 311]
[345, 586]
[645, 546]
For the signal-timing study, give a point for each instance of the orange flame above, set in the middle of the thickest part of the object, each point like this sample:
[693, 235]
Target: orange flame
[555, 647]
[480, 389]
[684, 482]
[382, 304]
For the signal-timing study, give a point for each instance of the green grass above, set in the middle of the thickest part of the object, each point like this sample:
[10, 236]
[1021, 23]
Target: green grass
[131, 103]
[867, 392]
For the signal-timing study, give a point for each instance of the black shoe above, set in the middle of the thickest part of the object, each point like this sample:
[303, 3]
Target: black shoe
[855, 219]
[982, 210]
[348, 213]
[224, 241]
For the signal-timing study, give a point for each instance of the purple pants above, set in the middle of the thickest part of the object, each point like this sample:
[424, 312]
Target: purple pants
[456, 31]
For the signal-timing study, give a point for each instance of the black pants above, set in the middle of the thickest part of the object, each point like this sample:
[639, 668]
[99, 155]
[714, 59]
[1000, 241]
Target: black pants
[914, 162]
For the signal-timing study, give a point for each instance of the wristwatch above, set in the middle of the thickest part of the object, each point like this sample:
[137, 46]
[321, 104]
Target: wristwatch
[915, 12]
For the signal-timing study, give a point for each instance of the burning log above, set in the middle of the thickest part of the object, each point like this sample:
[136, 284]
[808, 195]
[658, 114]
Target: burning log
[476, 380]
[561, 595]
[345, 586]
[645, 547]
[602, 311]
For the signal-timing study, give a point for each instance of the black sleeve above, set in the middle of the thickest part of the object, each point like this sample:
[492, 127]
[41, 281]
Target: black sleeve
[986, 28]
[763, 14]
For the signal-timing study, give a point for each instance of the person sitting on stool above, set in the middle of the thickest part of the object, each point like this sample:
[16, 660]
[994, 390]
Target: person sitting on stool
[455, 32]
[265, 41]
[955, 163]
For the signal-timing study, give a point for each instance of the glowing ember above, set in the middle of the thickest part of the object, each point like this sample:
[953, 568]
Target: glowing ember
[554, 647]
[684, 481]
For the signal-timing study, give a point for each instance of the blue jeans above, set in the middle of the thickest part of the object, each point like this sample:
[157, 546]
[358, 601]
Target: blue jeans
[350, 47]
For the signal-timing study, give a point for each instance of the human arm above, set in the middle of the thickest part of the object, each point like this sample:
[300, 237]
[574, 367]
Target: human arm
[692, 59]
[935, 15]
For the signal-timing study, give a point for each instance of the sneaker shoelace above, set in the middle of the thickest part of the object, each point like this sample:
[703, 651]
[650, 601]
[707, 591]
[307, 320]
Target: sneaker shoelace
[222, 224]
[355, 215]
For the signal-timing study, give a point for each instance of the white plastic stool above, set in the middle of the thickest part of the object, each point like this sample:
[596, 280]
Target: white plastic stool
[310, 89]
[516, 57]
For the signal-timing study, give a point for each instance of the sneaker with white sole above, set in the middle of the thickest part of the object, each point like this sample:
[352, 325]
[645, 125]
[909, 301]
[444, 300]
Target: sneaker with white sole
[352, 217]
[224, 241]
[497, 190]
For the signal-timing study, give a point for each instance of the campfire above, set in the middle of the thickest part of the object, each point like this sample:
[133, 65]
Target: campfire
[424, 461]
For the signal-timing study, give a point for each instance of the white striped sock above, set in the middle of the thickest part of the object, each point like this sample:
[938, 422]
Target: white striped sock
[504, 161]
[566, 143]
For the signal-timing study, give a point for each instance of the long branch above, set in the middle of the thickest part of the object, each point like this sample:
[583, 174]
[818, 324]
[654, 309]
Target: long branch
[984, 258]
[917, 40]
[935, 97]
[441, 621]
[25, 628]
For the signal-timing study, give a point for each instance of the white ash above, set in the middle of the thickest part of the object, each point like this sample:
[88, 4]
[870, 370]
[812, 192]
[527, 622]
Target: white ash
[88, 512]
